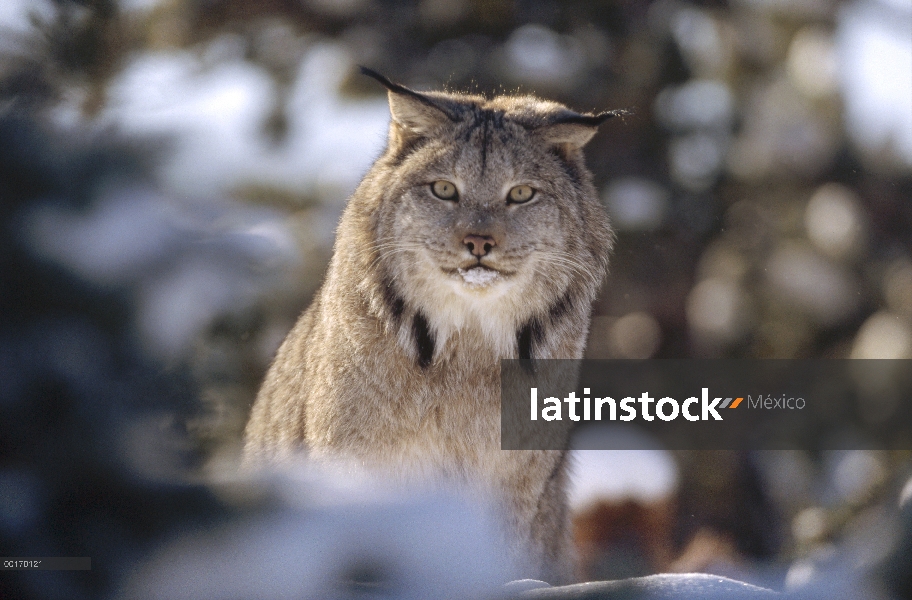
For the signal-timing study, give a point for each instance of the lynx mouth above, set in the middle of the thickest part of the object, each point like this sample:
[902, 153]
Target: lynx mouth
[479, 276]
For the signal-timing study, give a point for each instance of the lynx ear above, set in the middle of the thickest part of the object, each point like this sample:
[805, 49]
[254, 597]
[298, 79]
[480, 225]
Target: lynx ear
[575, 130]
[413, 110]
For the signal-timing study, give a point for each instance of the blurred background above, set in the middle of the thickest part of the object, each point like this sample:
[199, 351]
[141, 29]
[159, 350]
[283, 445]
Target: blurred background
[172, 171]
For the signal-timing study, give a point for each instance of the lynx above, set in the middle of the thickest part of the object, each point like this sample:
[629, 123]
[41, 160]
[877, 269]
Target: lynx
[476, 236]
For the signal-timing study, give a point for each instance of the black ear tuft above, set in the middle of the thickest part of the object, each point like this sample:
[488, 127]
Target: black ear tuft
[371, 73]
[393, 87]
[570, 129]
[404, 92]
[590, 120]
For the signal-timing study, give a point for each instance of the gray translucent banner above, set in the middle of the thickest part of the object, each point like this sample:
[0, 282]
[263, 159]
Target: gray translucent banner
[707, 404]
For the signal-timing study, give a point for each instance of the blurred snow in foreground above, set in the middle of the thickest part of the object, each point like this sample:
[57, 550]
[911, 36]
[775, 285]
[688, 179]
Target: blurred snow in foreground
[335, 538]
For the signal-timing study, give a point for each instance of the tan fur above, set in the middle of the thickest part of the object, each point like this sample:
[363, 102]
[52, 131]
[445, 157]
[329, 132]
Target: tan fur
[350, 379]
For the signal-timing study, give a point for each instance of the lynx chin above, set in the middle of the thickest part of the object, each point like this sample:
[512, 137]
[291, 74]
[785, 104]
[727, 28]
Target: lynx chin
[477, 235]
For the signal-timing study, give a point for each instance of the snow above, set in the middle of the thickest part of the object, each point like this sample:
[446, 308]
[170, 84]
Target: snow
[646, 475]
[478, 276]
[875, 46]
[215, 116]
[14, 14]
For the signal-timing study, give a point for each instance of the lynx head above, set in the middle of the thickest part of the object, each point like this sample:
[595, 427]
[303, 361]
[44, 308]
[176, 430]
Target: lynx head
[484, 220]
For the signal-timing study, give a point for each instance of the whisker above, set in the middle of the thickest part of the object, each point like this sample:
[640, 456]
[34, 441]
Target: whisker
[567, 261]
[390, 252]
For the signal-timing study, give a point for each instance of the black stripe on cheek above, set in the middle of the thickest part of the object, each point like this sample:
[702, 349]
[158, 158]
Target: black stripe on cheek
[561, 307]
[394, 301]
[424, 340]
[528, 335]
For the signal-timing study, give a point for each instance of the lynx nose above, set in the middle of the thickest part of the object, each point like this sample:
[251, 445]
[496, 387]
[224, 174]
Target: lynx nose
[479, 245]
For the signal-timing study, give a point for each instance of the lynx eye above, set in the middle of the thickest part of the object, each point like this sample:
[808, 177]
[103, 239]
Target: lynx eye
[520, 194]
[444, 190]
